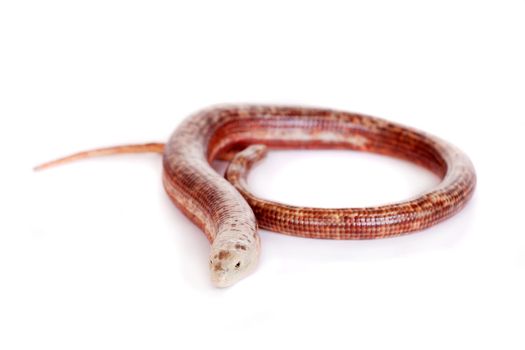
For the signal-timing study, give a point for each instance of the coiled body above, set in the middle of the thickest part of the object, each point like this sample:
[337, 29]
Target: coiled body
[229, 214]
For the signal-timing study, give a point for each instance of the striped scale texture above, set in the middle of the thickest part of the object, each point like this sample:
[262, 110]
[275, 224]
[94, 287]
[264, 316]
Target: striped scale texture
[229, 213]
[213, 203]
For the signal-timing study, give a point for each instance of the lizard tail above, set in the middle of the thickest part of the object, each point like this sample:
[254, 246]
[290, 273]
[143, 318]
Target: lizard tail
[139, 148]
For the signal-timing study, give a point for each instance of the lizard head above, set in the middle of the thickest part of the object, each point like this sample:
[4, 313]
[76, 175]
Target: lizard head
[231, 261]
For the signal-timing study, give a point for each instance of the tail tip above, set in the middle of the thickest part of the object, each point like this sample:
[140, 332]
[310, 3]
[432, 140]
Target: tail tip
[40, 167]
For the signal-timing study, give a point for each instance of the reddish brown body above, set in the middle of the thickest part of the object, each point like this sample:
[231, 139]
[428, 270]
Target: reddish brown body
[229, 214]
[215, 205]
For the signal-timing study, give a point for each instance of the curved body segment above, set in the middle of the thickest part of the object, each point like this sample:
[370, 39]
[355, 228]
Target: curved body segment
[229, 214]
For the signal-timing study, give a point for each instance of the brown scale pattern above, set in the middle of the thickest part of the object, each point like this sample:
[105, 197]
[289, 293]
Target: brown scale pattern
[225, 210]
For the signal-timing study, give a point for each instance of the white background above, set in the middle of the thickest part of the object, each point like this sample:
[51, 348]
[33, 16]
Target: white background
[94, 256]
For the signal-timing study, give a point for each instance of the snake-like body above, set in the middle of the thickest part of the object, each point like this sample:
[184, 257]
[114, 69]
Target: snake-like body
[229, 214]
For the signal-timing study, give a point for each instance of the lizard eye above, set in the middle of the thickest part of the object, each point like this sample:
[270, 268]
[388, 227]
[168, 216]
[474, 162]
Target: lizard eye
[238, 264]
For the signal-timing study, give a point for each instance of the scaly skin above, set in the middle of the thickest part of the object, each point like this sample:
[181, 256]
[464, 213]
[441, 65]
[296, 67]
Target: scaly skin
[225, 210]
